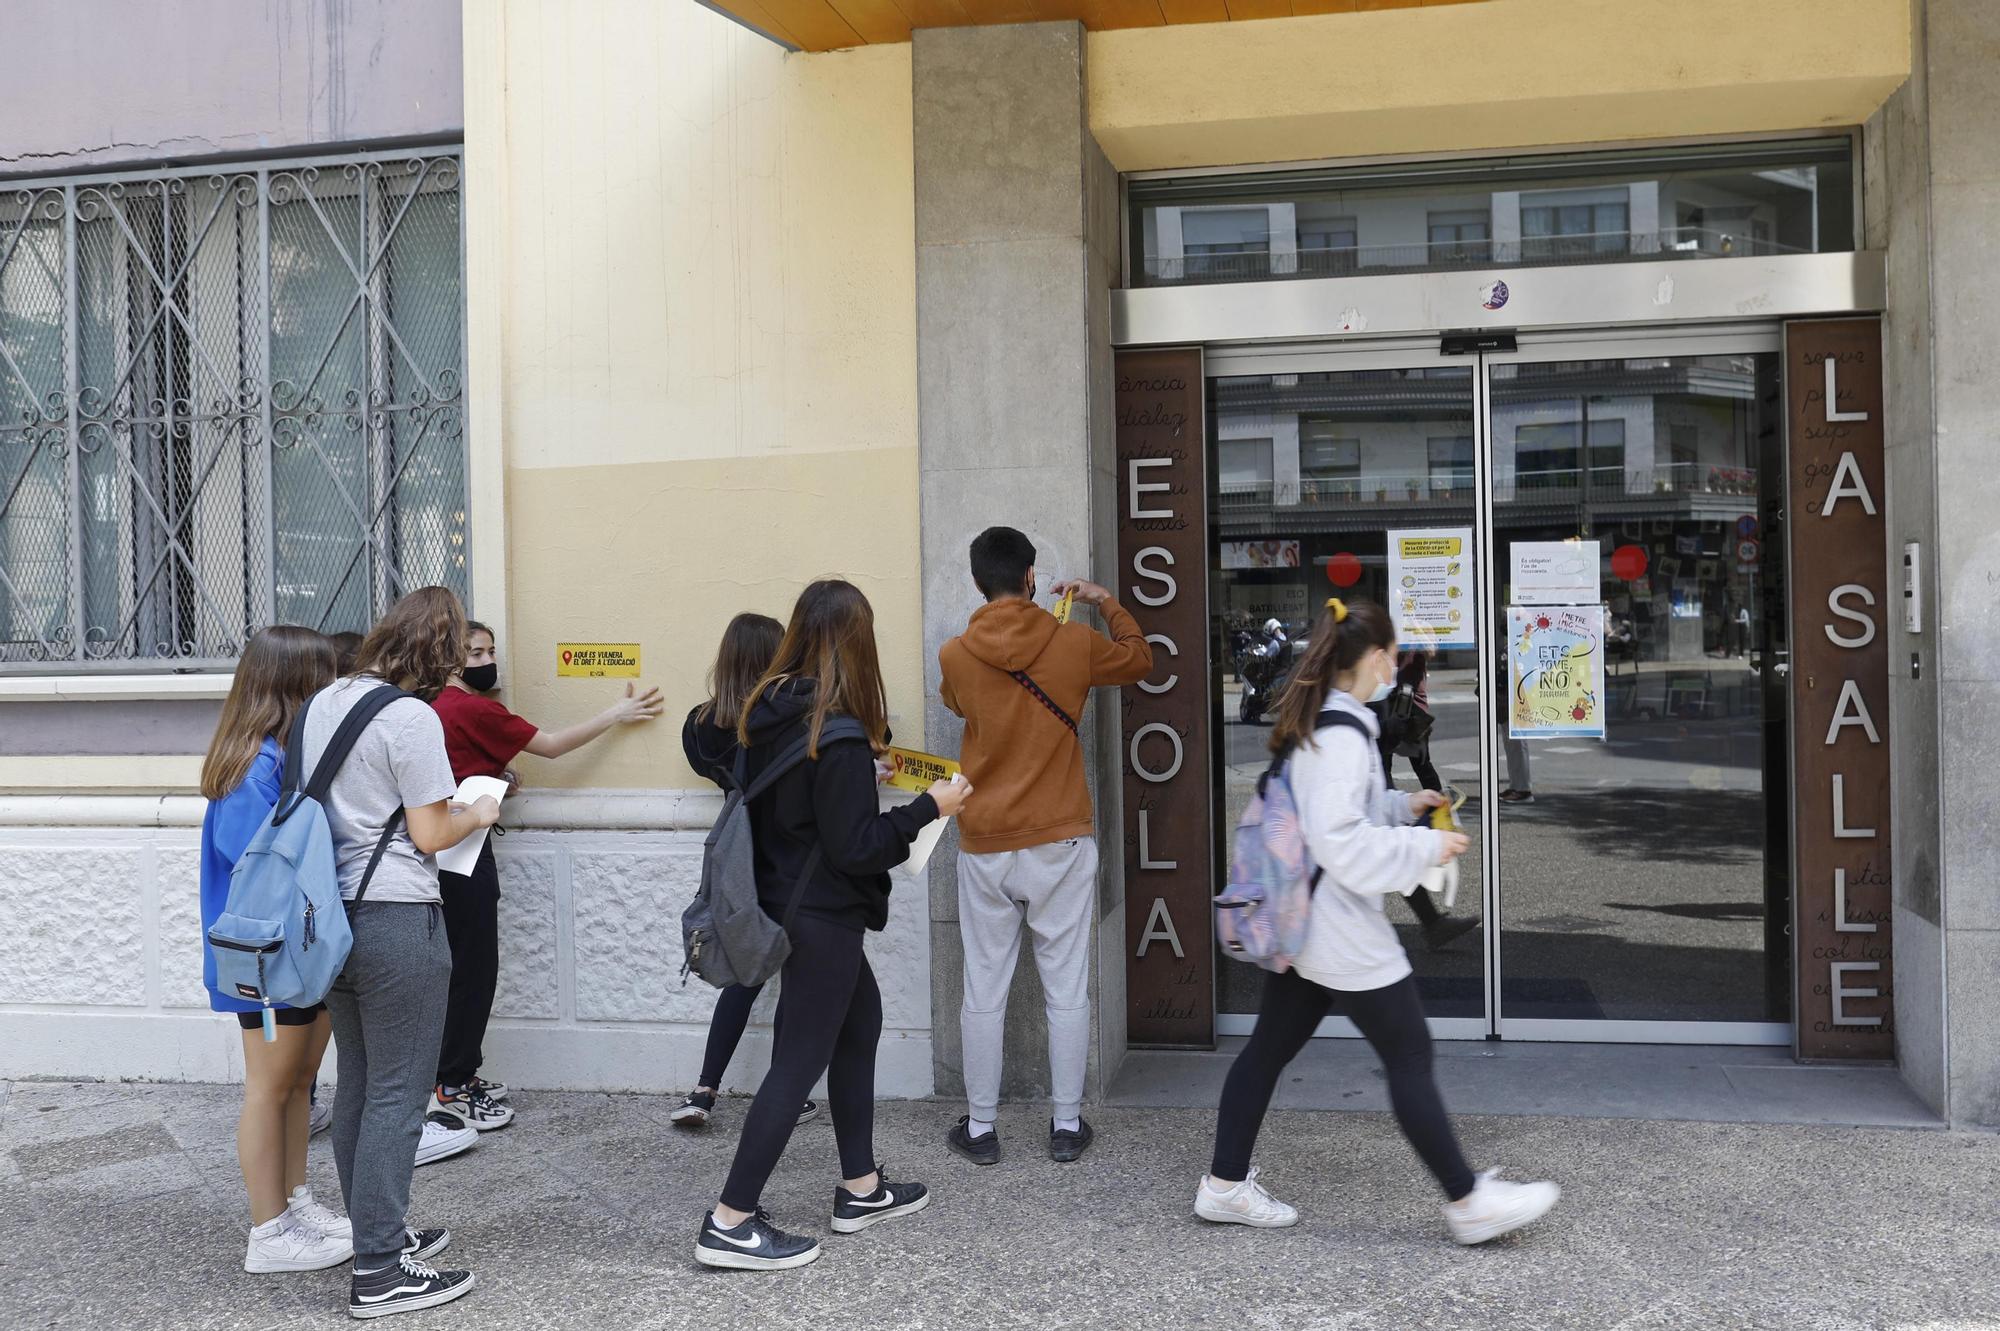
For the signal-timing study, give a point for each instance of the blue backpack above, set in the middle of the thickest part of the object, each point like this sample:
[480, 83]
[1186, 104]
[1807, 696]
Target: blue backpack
[1262, 915]
[282, 937]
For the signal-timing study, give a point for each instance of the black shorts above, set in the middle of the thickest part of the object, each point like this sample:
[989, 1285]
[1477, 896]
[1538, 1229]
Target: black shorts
[286, 1016]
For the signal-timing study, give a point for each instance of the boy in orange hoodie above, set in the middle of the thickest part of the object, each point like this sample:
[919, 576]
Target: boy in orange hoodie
[1027, 851]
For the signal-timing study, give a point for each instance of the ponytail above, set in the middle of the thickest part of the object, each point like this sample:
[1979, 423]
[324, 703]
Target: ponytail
[1346, 633]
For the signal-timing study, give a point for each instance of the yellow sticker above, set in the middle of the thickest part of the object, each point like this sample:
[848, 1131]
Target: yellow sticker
[916, 771]
[1062, 607]
[1444, 817]
[597, 660]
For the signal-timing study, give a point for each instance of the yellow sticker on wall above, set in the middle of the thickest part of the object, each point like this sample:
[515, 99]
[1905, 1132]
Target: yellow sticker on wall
[597, 660]
[916, 771]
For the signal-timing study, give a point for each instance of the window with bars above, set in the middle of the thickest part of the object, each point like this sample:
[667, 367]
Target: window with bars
[229, 397]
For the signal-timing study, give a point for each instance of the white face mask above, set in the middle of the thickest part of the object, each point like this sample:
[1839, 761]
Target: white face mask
[1382, 690]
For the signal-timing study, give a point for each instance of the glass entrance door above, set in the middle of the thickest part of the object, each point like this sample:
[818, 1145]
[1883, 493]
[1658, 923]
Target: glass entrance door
[1630, 874]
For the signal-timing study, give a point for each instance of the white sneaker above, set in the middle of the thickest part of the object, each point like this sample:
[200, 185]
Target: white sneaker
[320, 1119]
[475, 1109]
[1244, 1203]
[444, 1138]
[1495, 1207]
[305, 1211]
[285, 1245]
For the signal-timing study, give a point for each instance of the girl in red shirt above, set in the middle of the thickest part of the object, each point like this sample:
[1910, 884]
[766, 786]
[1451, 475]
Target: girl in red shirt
[482, 738]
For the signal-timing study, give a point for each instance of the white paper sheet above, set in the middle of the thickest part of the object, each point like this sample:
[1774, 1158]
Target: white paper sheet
[459, 859]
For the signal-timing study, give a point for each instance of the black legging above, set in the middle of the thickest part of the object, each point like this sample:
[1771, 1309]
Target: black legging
[833, 1022]
[1392, 1019]
[725, 1030]
[471, 908]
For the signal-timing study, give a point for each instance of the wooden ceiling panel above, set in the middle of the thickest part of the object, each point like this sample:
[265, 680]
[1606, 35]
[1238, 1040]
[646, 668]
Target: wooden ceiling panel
[828, 25]
[815, 24]
[878, 21]
[1195, 11]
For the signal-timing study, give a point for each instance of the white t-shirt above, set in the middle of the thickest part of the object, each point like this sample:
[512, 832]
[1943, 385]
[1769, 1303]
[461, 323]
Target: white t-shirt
[398, 762]
[1357, 830]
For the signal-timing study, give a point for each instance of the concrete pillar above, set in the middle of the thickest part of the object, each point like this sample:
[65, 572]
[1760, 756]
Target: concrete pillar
[1933, 179]
[1017, 250]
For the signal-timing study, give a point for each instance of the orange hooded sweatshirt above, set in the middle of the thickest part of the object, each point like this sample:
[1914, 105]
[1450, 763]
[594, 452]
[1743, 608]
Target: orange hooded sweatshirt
[1024, 764]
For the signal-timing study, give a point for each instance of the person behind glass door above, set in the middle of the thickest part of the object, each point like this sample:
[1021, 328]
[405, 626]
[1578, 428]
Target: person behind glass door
[483, 737]
[708, 738]
[826, 667]
[388, 1003]
[280, 668]
[1357, 829]
[1412, 669]
[1520, 779]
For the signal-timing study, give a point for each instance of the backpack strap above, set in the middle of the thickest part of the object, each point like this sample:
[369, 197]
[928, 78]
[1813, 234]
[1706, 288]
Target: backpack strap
[320, 787]
[1021, 677]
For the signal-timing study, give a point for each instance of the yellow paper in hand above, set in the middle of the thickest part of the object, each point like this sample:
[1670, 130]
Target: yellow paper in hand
[1445, 816]
[1061, 608]
[914, 771]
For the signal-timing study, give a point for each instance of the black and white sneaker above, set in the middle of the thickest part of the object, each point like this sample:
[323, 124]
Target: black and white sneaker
[853, 1214]
[754, 1245]
[474, 1109]
[694, 1110]
[496, 1091]
[424, 1244]
[809, 1111]
[404, 1287]
[981, 1150]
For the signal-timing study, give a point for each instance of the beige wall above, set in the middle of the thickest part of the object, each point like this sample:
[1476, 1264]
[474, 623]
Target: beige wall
[1517, 73]
[694, 339]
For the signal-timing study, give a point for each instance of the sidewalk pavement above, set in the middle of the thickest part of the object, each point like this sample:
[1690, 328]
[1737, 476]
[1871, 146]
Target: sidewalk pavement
[121, 1207]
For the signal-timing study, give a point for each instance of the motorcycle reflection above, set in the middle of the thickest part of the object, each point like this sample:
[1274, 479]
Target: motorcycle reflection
[1264, 665]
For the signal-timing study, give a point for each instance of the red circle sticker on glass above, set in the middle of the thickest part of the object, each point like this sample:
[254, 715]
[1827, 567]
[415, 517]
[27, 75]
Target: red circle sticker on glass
[1343, 570]
[1629, 562]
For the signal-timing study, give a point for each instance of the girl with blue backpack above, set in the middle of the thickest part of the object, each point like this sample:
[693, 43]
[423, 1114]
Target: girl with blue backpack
[280, 668]
[1357, 830]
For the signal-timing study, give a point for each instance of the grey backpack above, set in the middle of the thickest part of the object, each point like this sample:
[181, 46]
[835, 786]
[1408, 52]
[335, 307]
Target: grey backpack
[728, 936]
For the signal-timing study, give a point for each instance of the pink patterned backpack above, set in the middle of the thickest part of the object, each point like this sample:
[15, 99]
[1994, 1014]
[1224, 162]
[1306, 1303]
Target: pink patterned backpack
[1261, 916]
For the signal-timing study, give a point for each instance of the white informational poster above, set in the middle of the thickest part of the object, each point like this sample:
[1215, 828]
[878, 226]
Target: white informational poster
[1555, 573]
[1430, 586]
[1555, 672]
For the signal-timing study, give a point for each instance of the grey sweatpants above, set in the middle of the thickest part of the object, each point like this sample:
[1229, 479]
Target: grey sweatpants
[1054, 889]
[388, 1020]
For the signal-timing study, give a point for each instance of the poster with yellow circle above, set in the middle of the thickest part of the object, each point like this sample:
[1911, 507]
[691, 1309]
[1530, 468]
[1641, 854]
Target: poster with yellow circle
[1555, 671]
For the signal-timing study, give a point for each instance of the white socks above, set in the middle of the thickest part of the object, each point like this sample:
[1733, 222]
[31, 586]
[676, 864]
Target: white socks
[1069, 1124]
[976, 1128]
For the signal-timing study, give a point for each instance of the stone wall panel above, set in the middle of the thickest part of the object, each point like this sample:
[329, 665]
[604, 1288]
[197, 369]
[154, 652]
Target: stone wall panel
[71, 928]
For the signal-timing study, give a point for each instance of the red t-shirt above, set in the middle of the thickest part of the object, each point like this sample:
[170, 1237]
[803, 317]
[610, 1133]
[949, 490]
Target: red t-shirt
[480, 736]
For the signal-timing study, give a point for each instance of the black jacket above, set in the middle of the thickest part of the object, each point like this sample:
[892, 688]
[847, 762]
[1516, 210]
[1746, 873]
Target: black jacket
[710, 749]
[831, 801]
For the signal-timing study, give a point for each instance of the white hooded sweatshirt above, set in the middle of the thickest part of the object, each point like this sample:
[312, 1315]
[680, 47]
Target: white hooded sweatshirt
[1358, 832]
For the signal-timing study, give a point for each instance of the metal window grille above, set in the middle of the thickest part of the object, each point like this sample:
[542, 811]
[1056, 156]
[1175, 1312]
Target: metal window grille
[229, 397]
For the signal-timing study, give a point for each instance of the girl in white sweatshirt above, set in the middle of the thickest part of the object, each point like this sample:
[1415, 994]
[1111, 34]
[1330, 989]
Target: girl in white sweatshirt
[1359, 832]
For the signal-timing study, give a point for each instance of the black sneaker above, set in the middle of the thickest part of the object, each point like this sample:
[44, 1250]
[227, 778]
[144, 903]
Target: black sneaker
[853, 1214]
[424, 1244]
[754, 1245]
[694, 1110]
[809, 1111]
[404, 1287]
[979, 1150]
[1067, 1146]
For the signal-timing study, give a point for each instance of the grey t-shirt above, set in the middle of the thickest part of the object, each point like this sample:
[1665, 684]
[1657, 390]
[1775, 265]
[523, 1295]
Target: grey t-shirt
[398, 762]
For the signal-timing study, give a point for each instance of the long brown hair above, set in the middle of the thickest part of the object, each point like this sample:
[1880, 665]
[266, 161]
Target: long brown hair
[831, 641]
[419, 644]
[1347, 632]
[748, 646]
[280, 668]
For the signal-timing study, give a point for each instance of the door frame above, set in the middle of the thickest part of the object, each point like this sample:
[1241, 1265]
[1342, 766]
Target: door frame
[1406, 352]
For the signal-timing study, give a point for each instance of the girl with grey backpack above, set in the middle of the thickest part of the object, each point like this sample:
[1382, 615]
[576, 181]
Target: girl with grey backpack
[822, 855]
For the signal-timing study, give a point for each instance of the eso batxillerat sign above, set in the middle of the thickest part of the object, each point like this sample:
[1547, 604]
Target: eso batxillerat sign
[1840, 688]
[1163, 579]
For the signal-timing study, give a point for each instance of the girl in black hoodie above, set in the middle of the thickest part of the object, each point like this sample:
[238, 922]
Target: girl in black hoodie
[709, 740]
[825, 667]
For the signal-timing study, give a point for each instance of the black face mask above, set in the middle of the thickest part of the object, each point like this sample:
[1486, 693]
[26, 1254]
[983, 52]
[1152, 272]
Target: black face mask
[481, 679]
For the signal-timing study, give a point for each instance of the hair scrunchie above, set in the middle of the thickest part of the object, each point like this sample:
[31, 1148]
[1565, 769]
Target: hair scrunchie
[1339, 608]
